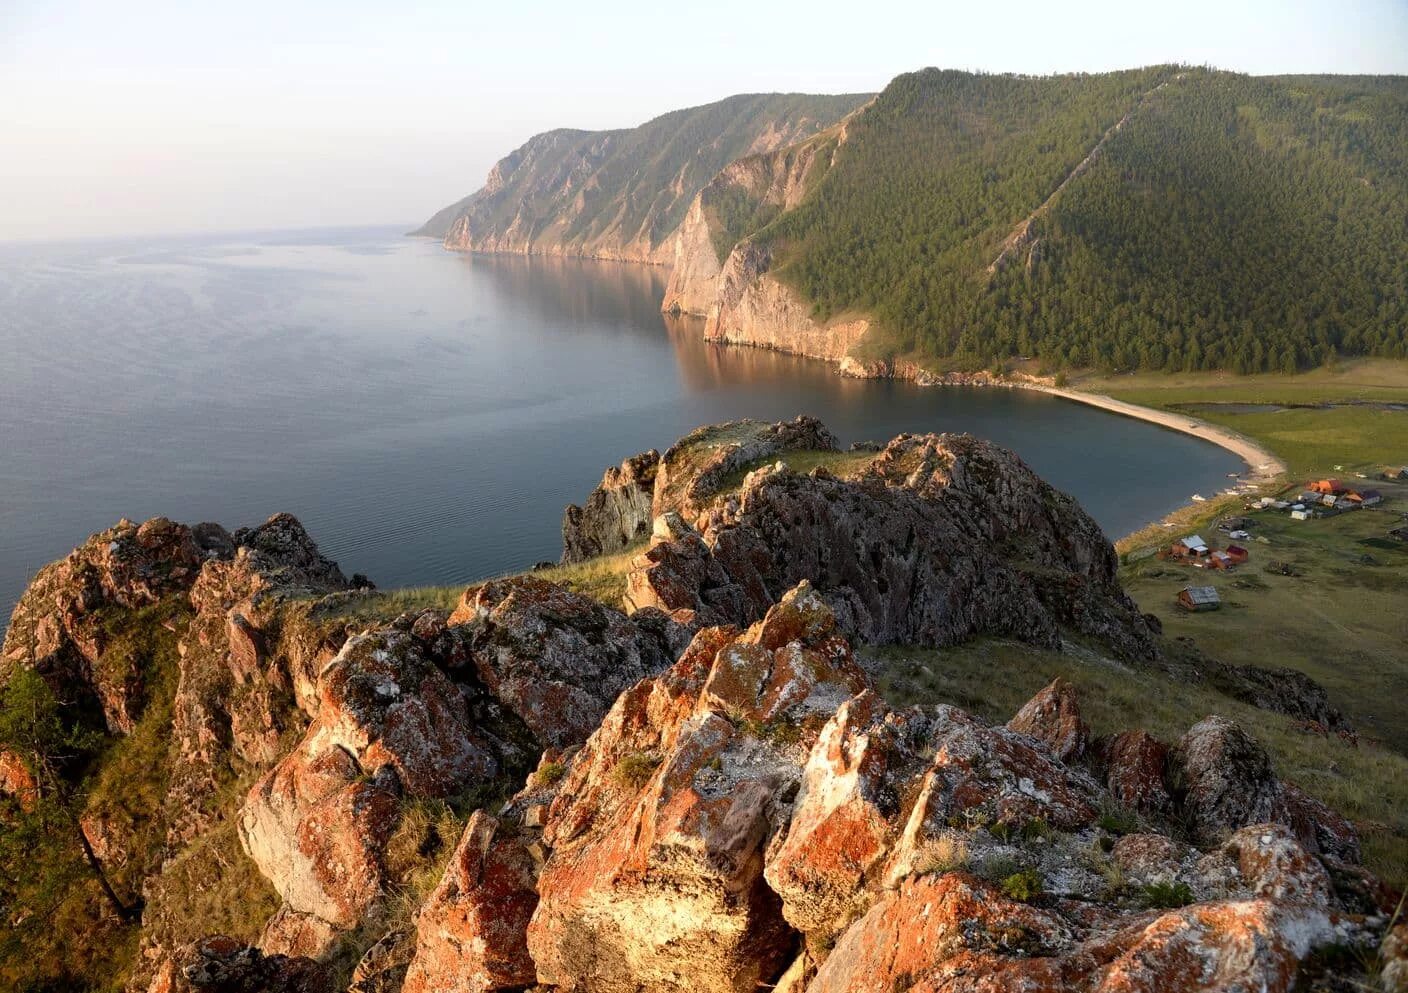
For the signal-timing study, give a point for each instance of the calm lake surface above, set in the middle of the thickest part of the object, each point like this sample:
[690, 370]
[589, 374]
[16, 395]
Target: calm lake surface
[426, 414]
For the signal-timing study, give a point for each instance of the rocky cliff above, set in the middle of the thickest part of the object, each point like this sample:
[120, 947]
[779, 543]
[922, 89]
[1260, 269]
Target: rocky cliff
[622, 194]
[293, 782]
[720, 274]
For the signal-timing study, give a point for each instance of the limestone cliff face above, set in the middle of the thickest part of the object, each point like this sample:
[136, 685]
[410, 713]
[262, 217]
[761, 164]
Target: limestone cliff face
[722, 276]
[621, 195]
[755, 308]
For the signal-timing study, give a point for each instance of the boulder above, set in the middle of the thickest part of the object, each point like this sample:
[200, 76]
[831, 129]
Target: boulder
[390, 724]
[1226, 778]
[556, 658]
[947, 932]
[471, 933]
[1134, 764]
[1053, 718]
[1275, 866]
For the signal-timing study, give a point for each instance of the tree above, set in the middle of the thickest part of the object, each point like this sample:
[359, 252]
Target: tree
[44, 850]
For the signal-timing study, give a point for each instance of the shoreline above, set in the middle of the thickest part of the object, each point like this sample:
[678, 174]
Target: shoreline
[1265, 467]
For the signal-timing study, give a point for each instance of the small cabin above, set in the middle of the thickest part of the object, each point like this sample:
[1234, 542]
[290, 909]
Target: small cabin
[1367, 498]
[1191, 547]
[1196, 599]
[1220, 560]
[1237, 554]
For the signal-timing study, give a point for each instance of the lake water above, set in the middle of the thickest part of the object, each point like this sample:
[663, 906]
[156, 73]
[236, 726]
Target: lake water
[426, 414]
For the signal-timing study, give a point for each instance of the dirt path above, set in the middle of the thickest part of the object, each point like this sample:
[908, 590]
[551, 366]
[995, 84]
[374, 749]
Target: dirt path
[1264, 466]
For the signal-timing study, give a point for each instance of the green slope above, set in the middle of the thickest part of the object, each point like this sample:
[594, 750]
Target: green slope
[1231, 222]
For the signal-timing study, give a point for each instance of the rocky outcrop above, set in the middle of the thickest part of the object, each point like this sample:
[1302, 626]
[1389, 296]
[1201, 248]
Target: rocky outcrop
[219, 964]
[617, 513]
[248, 659]
[657, 833]
[390, 725]
[732, 824]
[59, 627]
[941, 538]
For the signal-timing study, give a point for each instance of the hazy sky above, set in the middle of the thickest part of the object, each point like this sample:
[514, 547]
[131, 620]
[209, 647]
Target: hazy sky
[186, 115]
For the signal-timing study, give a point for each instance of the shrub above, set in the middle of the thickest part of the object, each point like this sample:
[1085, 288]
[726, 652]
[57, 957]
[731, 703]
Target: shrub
[1166, 896]
[635, 770]
[1024, 885]
[550, 773]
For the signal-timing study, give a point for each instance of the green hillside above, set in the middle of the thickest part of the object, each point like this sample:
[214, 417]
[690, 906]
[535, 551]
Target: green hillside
[1230, 222]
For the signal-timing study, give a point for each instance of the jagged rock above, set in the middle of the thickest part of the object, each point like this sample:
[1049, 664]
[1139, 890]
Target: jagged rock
[616, 515]
[557, 659]
[248, 658]
[1134, 763]
[58, 625]
[942, 538]
[949, 932]
[655, 873]
[390, 722]
[693, 469]
[882, 790]
[1053, 718]
[471, 932]
[222, 965]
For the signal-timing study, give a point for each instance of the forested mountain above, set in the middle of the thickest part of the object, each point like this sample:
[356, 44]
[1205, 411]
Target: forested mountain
[1160, 218]
[1163, 218]
[621, 193]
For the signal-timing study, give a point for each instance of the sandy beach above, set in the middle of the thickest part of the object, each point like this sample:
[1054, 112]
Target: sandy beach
[1264, 466]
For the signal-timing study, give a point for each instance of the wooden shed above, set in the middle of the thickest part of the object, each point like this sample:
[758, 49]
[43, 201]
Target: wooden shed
[1199, 598]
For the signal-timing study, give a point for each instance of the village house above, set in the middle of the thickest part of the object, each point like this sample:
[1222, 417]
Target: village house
[1220, 560]
[1197, 599]
[1367, 498]
[1237, 554]
[1191, 547]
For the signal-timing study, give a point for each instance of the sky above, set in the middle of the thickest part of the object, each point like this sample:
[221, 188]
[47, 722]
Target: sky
[166, 116]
